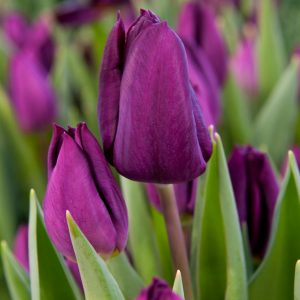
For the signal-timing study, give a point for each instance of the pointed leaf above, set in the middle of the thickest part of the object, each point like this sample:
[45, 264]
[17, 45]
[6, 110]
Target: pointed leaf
[16, 277]
[219, 269]
[278, 266]
[49, 276]
[142, 243]
[274, 127]
[129, 281]
[297, 282]
[98, 282]
[178, 286]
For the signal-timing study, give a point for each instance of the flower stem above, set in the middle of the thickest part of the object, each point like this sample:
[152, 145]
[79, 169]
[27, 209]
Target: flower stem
[175, 236]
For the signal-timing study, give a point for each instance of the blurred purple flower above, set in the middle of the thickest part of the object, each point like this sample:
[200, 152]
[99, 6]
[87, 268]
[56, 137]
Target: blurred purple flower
[197, 25]
[244, 66]
[32, 96]
[256, 188]
[81, 181]
[150, 118]
[185, 194]
[158, 290]
[20, 250]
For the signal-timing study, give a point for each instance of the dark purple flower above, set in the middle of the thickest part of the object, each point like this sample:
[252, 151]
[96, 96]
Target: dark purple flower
[81, 181]
[21, 251]
[31, 92]
[197, 25]
[185, 194]
[158, 290]
[245, 67]
[150, 118]
[256, 188]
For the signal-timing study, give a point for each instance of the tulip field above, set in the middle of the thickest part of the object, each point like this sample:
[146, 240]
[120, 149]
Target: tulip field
[150, 150]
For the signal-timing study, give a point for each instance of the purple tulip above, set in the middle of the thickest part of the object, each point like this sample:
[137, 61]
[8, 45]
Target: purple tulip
[256, 188]
[158, 290]
[81, 181]
[185, 194]
[150, 118]
[245, 67]
[32, 95]
[21, 251]
[197, 25]
[74, 269]
[205, 84]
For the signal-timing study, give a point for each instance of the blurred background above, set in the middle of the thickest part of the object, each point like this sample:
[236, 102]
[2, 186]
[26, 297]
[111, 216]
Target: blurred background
[50, 57]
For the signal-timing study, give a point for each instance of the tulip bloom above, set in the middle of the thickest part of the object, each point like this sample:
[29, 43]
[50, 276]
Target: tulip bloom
[256, 190]
[197, 25]
[244, 66]
[81, 181]
[20, 250]
[150, 118]
[158, 290]
[32, 95]
[185, 194]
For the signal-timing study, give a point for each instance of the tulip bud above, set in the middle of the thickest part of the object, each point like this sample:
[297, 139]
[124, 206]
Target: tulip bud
[185, 194]
[81, 181]
[21, 251]
[150, 118]
[158, 290]
[244, 66]
[32, 96]
[197, 25]
[256, 190]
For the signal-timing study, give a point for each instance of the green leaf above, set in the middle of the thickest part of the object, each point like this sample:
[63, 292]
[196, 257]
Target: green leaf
[98, 282]
[297, 282]
[16, 277]
[129, 281]
[49, 275]
[142, 242]
[270, 49]
[218, 262]
[277, 269]
[275, 125]
[178, 286]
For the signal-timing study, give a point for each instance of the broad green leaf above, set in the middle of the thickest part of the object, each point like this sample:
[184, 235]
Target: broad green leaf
[275, 125]
[274, 278]
[16, 277]
[270, 49]
[98, 282]
[142, 242]
[297, 282]
[178, 286]
[218, 262]
[49, 275]
[236, 112]
[129, 281]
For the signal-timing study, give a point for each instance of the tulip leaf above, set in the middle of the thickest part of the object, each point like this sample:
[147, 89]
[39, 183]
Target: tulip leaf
[142, 242]
[16, 277]
[98, 282]
[275, 125]
[218, 262]
[277, 268]
[270, 49]
[49, 275]
[297, 282]
[129, 281]
[178, 285]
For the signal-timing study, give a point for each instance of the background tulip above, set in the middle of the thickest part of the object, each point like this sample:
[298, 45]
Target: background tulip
[197, 25]
[256, 190]
[80, 181]
[185, 194]
[158, 290]
[150, 119]
[21, 247]
[33, 99]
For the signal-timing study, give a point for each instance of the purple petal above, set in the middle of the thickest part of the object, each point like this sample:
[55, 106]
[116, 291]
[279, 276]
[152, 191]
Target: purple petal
[21, 247]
